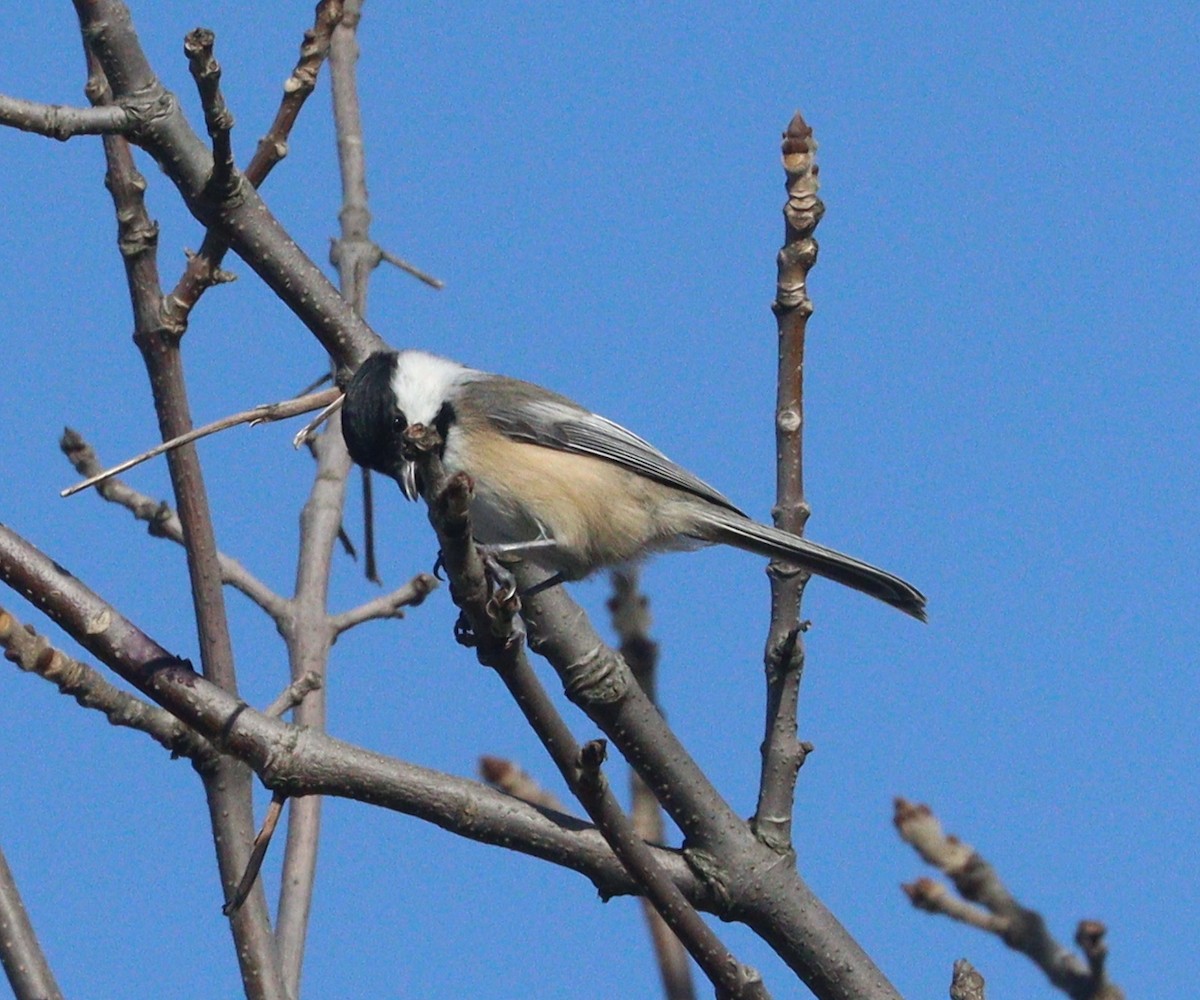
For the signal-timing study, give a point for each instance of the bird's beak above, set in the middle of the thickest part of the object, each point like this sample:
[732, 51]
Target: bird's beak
[408, 479]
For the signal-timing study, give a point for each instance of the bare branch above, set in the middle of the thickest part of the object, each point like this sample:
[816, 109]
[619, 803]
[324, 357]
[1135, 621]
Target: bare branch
[34, 653]
[320, 526]
[314, 49]
[998, 912]
[24, 962]
[731, 979]
[244, 221]
[309, 634]
[294, 694]
[781, 909]
[301, 761]
[305, 434]
[933, 897]
[226, 783]
[352, 253]
[511, 779]
[204, 267]
[262, 414]
[630, 611]
[218, 119]
[58, 121]
[386, 605]
[163, 522]
[497, 638]
[257, 853]
[782, 754]
[412, 269]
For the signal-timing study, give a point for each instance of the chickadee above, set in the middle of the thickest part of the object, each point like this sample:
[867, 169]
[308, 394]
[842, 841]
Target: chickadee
[571, 490]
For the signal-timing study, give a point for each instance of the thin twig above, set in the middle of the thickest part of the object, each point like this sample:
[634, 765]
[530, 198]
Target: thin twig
[733, 981]
[257, 853]
[997, 910]
[412, 269]
[261, 414]
[510, 778]
[58, 121]
[314, 49]
[163, 522]
[782, 754]
[294, 694]
[966, 983]
[218, 119]
[386, 605]
[304, 435]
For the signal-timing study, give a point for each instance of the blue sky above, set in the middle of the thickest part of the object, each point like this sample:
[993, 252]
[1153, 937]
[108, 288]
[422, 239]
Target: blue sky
[1002, 406]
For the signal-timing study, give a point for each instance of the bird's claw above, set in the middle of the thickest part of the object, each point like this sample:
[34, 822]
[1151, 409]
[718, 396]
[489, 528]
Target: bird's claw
[501, 583]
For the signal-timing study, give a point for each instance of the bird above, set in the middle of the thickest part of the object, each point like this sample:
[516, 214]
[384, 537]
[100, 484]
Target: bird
[566, 488]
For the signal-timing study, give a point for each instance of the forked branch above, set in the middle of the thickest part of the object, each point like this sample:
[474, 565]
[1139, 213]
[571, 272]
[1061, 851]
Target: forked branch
[984, 901]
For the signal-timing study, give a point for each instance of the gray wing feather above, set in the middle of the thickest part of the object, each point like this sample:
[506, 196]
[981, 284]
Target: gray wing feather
[527, 412]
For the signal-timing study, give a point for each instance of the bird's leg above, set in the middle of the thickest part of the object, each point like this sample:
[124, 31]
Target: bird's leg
[546, 584]
[517, 548]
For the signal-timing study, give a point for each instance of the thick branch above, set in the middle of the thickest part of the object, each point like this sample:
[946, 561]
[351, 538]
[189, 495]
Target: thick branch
[763, 888]
[21, 955]
[301, 761]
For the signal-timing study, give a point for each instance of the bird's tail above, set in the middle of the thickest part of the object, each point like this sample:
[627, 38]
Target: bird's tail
[735, 529]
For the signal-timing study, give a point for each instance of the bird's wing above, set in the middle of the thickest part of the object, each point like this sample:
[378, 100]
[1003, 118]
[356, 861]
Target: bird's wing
[527, 412]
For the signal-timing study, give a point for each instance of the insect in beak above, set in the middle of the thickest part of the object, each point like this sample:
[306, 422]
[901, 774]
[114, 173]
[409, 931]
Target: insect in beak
[417, 440]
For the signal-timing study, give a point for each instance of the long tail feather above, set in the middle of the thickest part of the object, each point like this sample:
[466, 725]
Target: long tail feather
[743, 533]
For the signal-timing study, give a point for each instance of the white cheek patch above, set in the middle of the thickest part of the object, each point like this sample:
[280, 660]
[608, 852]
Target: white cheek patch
[422, 383]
